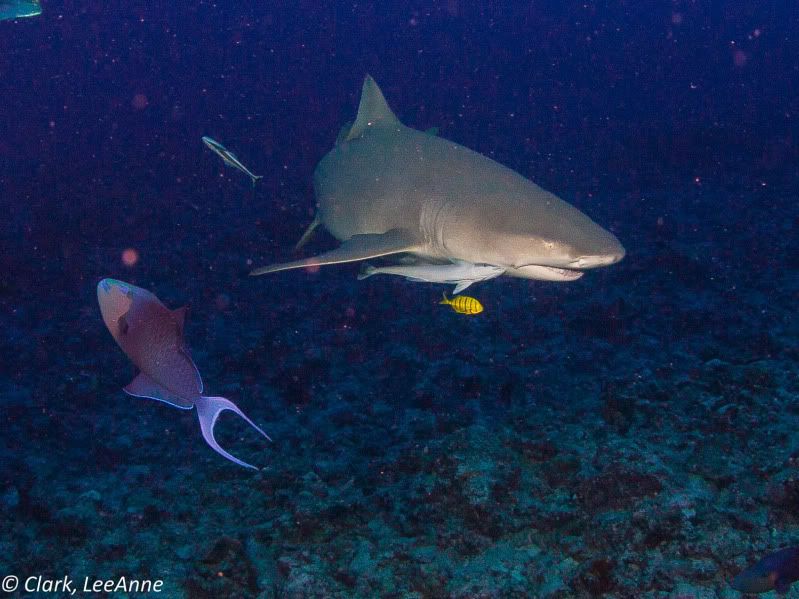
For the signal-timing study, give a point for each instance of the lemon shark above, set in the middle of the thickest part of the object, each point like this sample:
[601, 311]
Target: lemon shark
[386, 189]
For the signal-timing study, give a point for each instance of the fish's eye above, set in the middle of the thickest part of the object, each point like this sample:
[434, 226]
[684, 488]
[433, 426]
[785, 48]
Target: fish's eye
[123, 325]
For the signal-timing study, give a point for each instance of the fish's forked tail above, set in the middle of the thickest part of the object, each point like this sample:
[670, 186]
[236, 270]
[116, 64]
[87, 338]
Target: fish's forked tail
[445, 299]
[208, 410]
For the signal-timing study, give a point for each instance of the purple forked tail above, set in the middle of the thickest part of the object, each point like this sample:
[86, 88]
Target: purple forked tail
[208, 410]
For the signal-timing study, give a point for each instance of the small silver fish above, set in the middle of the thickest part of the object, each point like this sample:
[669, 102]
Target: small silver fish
[457, 272]
[229, 158]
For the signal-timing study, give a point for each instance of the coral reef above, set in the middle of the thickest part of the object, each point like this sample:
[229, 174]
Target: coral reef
[627, 435]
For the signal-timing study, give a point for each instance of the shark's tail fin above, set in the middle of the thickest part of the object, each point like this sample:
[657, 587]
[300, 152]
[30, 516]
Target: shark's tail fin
[367, 271]
[208, 410]
[255, 179]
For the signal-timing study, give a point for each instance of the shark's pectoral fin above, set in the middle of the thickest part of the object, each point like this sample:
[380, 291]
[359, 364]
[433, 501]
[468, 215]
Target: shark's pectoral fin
[144, 386]
[308, 232]
[355, 249]
[208, 411]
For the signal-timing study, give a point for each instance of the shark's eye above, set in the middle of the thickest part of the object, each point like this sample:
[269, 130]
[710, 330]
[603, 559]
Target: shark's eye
[123, 325]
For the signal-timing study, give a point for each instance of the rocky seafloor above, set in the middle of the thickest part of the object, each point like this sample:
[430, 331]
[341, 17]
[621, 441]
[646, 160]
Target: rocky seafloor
[631, 434]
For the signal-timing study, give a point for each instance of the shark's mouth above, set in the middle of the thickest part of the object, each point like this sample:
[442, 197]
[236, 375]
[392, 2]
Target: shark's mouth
[544, 273]
[596, 261]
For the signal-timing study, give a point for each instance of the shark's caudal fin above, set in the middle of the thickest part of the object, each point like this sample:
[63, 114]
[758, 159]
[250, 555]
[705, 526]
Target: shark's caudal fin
[373, 111]
[208, 410]
[356, 248]
[255, 179]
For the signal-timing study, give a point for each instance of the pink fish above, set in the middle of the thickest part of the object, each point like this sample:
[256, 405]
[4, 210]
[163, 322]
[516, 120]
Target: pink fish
[151, 335]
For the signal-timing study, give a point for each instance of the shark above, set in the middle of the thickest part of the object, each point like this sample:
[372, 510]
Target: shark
[386, 189]
[151, 335]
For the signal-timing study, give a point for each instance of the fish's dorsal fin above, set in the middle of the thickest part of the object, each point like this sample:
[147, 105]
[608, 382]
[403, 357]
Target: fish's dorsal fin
[180, 317]
[373, 111]
[461, 286]
[367, 271]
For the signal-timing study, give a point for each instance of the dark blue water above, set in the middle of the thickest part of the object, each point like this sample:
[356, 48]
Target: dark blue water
[629, 434]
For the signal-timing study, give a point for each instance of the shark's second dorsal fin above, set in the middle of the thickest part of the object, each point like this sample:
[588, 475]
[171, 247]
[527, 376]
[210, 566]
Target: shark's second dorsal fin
[373, 111]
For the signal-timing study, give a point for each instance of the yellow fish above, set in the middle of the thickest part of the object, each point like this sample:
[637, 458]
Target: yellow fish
[463, 304]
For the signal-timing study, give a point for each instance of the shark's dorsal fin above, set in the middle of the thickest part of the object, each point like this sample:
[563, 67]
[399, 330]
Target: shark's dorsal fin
[343, 133]
[373, 111]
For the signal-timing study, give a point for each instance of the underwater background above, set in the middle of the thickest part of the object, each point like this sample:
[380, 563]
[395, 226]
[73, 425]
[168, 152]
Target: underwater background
[629, 434]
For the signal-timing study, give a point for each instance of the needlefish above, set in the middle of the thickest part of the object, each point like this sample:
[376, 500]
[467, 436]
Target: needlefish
[229, 158]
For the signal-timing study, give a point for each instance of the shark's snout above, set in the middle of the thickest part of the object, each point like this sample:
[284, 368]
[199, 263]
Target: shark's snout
[605, 251]
[597, 260]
